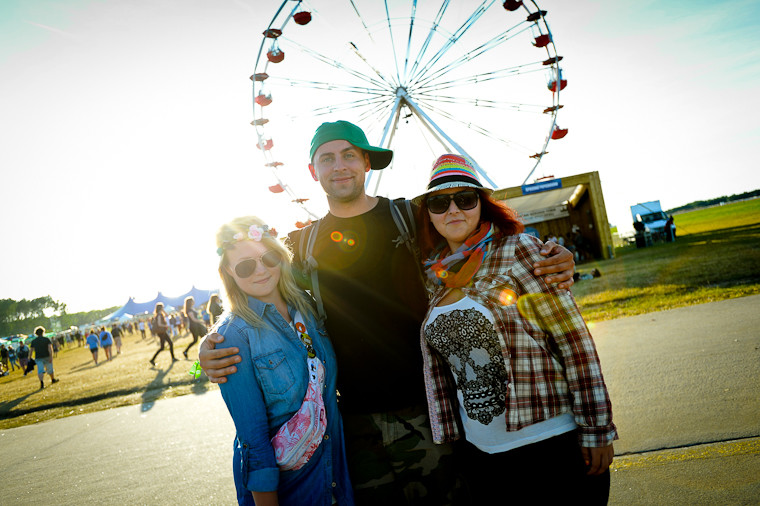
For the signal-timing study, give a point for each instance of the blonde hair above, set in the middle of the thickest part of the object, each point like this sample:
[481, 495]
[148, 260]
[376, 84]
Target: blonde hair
[214, 298]
[291, 293]
[186, 309]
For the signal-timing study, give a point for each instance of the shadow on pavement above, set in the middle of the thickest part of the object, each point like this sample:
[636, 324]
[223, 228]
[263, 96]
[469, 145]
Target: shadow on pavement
[153, 390]
[6, 407]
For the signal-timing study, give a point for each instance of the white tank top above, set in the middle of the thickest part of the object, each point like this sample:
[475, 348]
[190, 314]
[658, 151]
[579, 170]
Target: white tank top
[463, 334]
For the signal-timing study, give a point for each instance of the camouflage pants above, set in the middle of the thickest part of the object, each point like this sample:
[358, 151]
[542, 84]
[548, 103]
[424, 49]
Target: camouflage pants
[392, 460]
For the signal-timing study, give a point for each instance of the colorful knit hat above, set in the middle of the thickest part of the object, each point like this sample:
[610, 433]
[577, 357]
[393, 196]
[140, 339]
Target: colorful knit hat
[452, 171]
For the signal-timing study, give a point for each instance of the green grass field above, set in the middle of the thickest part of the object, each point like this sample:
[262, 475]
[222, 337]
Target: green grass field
[84, 387]
[716, 256]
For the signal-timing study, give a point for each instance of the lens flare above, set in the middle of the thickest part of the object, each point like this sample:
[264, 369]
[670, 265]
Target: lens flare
[347, 240]
[507, 297]
[532, 305]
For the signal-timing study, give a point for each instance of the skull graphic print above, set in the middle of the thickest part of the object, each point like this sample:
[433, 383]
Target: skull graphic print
[466, 339]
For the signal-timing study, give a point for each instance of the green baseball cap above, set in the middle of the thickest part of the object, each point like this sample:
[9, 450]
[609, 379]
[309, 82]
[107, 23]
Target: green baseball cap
[379, 158]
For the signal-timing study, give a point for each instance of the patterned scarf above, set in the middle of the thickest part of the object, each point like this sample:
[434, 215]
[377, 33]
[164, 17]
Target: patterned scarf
[456, 269]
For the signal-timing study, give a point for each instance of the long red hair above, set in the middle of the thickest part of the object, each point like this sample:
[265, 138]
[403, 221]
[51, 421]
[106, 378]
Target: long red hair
[505, 219]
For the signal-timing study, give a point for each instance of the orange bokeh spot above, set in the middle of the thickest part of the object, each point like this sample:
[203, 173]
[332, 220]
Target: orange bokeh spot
[336, 236]
[507, 297]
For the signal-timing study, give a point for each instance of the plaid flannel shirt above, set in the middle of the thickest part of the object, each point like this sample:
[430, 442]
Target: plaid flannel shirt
[550, 357]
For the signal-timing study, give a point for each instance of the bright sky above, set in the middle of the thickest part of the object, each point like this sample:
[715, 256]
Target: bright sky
[126, 139]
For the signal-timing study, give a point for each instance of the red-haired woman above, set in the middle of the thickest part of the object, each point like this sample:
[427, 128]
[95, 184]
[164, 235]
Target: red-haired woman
[508, 359]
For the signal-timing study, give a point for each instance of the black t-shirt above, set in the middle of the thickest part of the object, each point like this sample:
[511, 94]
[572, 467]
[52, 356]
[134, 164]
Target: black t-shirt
[40, 345]
[375, 302]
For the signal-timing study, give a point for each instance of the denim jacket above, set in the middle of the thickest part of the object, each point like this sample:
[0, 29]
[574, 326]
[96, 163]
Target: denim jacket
[267, 389]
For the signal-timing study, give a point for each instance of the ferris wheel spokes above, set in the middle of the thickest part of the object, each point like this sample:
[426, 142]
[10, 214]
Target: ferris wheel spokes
[328, 86]
[469, 22]
[409, 39]
[431, 32]
[390, 126]
[393, 44]
[429, 123]
[339, 65]
[472, 54]
[478, 78]
[475, 127]
[346, 106]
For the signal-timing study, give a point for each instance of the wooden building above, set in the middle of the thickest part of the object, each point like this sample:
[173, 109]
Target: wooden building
[571, 207]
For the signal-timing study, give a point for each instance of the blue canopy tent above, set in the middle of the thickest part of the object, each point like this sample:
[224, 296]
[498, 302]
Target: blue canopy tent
[140, 308]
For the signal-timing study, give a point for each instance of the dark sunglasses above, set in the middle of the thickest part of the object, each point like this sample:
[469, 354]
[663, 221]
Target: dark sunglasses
[247, 267]
[465, 200]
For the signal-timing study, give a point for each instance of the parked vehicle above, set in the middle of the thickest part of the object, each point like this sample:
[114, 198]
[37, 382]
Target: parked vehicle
[649, 218]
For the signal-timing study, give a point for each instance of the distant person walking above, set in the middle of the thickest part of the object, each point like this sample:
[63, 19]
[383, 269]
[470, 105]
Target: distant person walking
[160, 326]
[214, 308]
[93, 342]
[197, 328]
[4, 355]
[116, 332]
[106, 341]
[141, 326]
[173, 325]
[56, 345]
[43, 354]
[12, 357]
[23, 356]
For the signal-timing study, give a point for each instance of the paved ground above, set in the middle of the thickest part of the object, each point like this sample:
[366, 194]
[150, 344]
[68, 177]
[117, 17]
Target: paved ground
[684, 386]
[687, 379]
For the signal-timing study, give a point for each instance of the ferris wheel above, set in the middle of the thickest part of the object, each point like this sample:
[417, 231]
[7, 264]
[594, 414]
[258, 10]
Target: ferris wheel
[481, 80]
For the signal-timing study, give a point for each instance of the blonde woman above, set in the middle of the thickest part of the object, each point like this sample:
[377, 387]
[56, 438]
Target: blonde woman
[214, 308]
[161, 328]
[283, 398]
[197, 327]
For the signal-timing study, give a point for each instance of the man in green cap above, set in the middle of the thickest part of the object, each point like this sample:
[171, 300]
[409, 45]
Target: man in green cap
[374, 301]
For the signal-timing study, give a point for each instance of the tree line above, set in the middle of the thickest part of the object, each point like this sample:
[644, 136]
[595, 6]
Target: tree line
[22, 316]
[716, 201]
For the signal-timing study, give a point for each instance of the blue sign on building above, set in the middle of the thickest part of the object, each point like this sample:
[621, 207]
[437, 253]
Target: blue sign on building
[543, 186]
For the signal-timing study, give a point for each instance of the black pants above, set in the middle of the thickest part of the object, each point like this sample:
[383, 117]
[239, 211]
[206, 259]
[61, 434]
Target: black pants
[196, 335]
[164, 338]
[549, 472]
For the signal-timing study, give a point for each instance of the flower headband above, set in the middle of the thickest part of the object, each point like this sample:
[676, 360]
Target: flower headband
[255, 233]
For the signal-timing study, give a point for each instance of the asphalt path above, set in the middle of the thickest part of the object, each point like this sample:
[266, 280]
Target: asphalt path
[684, 385]
[685, 390]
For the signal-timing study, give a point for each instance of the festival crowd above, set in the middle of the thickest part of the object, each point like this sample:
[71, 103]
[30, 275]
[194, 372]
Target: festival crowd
[23, 354]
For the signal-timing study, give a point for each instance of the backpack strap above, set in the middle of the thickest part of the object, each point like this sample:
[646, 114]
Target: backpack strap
[408, 230]
[310, 265]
